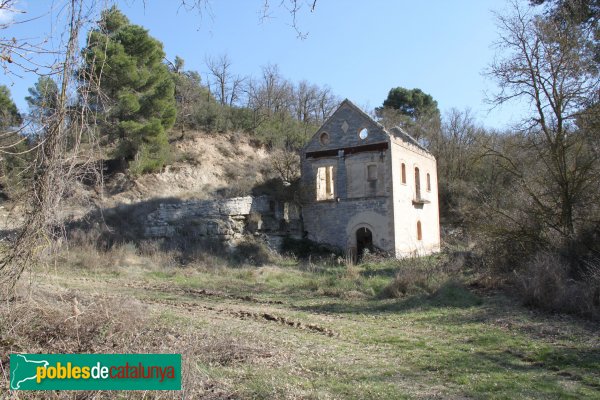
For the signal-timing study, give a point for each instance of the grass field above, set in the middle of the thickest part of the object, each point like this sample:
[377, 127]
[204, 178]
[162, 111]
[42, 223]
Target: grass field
[297, 330]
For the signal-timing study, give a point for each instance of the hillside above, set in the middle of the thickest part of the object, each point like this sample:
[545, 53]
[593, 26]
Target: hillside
[252, 323]
[206, 166]
[277, 227]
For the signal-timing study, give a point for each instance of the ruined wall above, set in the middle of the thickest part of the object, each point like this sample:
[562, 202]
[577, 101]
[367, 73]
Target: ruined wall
[223, 219]
[369, 190]
[358, 182]
[336, 223]
[358, 202]
[343, 128]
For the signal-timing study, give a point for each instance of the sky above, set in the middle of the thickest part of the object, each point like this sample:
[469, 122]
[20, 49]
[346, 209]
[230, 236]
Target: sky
[361, 49]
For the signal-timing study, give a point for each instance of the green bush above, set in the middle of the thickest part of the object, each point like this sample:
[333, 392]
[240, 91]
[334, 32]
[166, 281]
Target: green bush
[424, 275]
[283, 131]
[149, 160]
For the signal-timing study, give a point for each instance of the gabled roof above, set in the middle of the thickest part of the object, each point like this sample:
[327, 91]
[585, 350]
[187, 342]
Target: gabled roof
[359, 110]
[396, 131]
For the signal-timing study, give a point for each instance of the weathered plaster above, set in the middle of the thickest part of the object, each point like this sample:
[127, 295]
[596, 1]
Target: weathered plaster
[387, 207]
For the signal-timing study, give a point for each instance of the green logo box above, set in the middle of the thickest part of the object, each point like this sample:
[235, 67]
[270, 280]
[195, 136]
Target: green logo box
[95, 371]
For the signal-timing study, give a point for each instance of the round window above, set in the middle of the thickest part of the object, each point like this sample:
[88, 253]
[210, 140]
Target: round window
[324, 138]
[363, 133]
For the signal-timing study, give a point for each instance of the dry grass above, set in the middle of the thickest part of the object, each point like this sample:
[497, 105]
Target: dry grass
[44, 321]
[226, 351]
[293, 330]
[47, 318]
[546, 283]
[424, 275]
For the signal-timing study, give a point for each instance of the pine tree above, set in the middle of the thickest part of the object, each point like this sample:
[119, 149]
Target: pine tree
[13, 155]
[135, 95]
[9, 115]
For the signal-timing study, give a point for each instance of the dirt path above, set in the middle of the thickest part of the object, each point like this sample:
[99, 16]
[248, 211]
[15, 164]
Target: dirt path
[251, 339]
[202, 301]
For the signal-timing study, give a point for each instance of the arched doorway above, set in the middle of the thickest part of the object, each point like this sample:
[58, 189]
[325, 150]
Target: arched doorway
[364, 240]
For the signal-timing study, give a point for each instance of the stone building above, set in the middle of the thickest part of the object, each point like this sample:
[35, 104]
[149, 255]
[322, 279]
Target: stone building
[368, 187]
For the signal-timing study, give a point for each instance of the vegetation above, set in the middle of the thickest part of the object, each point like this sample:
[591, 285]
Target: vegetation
[190, 96]
[275, 112]
[524, 193]
[9, 115]
[550, 163]
[413, 110]
[135, 93]
[520, 210]
[528, 195]
[290, 329]
[42, 100]
[12, 145]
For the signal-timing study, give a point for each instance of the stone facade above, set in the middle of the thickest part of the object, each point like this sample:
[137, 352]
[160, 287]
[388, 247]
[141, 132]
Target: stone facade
[367, 187]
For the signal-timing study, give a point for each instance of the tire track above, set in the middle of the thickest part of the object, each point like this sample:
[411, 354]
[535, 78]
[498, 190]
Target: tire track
[245, 314]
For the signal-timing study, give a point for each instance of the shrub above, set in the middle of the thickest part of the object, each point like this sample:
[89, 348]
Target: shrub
[454, 294]
[409, 280]
[224, 150]
[252, 251]
[150, 159]
[47, 321]
[546, 283]
[425, 275]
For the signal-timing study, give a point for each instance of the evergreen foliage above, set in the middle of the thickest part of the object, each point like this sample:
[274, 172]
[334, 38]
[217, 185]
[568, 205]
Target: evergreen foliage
[13, 158]
[9, 115]
[414, 110]
[43, 97]
[412, 103]
[135, 99]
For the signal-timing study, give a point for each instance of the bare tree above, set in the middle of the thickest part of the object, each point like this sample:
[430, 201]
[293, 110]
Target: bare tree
[271, 95]
[287, 165]
[294, 7]
[305, 101]
[327, 103]
[276, 91]
[456, 148]
[19, 55]
[549, 64]
[237, 89]
[219, 69]
[228, 86]
[58, 161]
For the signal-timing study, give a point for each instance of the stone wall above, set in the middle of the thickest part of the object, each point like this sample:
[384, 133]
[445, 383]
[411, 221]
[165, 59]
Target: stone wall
[357, 201]
[369, 192]
[407, 212]
[336, 222]
[343, 129]
[222, 219]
